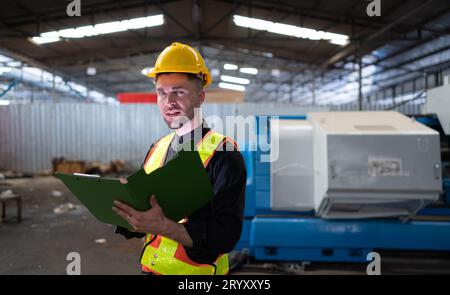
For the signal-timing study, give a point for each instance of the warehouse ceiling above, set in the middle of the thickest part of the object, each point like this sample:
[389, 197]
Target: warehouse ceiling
[285, 64]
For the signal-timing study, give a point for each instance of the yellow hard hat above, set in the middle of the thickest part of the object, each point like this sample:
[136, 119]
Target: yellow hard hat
[181, 58]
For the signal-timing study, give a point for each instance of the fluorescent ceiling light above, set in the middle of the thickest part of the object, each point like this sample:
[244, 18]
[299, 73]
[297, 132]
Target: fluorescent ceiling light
[275, 72]
[112, 100]
[230, 67]
[100, 29]
[111, 27]
[71, 33]
[14, 64]
[232, 79]
[231, 86]
[146, 71]
[96, 96]
[47, 77]
[5, 70]
[5, 58]
[4, 102]
[341, 42]
[252, 71]
[86, 31]
[51, 34]
[58, 79]
[43, 40]
[47, 37]
[215, 72]
[91, 71]
[142, 22]
[77, 87]
[33, 71]
[289, 30]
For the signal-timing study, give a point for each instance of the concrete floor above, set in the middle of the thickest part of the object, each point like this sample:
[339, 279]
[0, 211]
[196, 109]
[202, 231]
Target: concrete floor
[41, 242]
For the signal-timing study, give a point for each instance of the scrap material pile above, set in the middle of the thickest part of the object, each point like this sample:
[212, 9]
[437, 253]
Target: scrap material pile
[72, 166]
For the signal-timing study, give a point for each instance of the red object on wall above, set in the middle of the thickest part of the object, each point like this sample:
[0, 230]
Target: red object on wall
[137, 97]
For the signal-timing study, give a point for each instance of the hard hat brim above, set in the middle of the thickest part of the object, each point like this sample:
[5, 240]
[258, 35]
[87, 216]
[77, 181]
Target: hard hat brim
[206, 77]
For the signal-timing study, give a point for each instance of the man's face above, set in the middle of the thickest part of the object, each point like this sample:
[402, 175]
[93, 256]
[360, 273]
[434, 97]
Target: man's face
[178, 96]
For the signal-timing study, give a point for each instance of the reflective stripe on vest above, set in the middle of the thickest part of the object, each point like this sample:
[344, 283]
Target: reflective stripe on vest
[164, 255]
[169, 257]
[157, 155]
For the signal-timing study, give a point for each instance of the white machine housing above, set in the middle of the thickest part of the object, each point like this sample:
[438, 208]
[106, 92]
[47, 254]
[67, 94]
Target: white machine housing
[292, 174]
[348, 165]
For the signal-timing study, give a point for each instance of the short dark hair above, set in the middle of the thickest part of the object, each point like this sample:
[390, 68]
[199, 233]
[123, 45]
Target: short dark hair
[197, 79]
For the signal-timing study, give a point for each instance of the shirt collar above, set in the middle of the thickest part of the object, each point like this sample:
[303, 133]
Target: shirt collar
[204, 127]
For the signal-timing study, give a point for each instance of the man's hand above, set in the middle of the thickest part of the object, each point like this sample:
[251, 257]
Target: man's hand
[152, 220]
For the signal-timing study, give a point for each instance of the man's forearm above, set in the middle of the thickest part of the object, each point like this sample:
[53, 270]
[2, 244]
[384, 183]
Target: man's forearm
[177, 232]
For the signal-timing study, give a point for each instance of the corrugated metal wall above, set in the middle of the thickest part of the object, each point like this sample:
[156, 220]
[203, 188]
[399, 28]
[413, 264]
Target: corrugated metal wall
[32, 134]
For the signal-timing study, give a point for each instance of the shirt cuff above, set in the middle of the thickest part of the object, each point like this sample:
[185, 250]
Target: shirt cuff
[128, 234]
[197, 232]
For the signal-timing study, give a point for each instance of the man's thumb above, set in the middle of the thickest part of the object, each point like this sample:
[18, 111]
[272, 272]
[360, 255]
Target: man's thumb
[153, 201]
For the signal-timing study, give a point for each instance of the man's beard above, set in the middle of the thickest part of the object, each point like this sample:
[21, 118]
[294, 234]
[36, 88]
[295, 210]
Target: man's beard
[180, 121]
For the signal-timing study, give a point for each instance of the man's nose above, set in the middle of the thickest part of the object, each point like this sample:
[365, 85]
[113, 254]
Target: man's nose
[172, 98]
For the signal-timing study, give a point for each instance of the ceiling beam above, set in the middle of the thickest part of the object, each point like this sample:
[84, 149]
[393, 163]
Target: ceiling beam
[359, 44]
[88, 11]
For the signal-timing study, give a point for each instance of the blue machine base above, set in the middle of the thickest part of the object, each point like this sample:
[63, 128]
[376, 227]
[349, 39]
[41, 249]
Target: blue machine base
[315, 239]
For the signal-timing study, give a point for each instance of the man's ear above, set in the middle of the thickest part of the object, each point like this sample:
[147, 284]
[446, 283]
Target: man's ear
[201, 96]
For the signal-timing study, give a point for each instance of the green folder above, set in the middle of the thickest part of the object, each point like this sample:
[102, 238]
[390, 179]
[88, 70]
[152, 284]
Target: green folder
[181, 187]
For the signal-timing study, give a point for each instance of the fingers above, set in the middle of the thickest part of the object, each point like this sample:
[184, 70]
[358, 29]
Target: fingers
[128, 209]
[153, 201]
[140, 221]
[121, 213]
[127, 213]
[127, 217]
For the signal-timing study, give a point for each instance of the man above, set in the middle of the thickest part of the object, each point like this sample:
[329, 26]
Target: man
[199, 244]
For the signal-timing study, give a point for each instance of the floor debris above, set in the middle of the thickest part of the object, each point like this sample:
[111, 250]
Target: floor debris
[56, 193]
[64, 208]
[100, 241]
[7, 194]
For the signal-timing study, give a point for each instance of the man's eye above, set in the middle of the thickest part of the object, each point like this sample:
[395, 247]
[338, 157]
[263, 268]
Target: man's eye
[180, 93]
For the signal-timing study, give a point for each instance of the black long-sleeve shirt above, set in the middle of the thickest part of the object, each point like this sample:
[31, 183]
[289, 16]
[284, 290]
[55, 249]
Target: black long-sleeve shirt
[216, 227]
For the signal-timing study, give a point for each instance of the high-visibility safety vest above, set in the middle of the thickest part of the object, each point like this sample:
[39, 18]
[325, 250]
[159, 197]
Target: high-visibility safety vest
[165, 256]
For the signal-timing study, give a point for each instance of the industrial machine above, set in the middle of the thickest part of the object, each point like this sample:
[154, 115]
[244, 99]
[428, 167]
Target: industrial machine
[336, 186]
